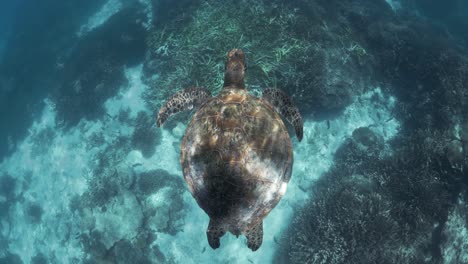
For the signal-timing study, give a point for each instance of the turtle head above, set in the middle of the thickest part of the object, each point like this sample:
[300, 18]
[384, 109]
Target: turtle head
[235, 69]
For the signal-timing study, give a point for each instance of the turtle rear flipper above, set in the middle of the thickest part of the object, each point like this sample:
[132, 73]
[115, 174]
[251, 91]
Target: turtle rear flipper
[183, 100]
[214, 233]
[284, 105]
[255, 236]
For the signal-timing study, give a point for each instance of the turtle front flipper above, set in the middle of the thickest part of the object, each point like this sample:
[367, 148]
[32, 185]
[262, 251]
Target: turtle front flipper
[182, 100]
[214, 233]
[255, 236]
[284, 105]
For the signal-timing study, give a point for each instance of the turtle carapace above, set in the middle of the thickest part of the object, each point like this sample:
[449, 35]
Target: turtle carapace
[236, 154]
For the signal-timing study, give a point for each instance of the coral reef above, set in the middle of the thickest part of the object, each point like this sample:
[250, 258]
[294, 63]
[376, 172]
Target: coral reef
[155, 203]
[109, 221]
[39, 259]
[370, 208]
[94, 69]
[110, 177]
[152, 181]
[126, 252]
[145, 136]
[160, 193]
[147, 202]
[34, 211]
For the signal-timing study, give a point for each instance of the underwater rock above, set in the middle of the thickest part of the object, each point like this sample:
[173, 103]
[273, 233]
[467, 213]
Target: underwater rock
[364, 145]
[158, 256]
[87, 219]
[158, 211]
[110, 176]
[121, 220]
[39, 259]
[149, 182]
[93, 247]
[123, 252]
[145, 136]
[102, 189]
[366, 138]
[162, 209]
[161, 195]
[35, 212]
[367, 142]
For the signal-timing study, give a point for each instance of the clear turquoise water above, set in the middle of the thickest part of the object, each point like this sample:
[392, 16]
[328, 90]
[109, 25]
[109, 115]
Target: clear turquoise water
[87, 177]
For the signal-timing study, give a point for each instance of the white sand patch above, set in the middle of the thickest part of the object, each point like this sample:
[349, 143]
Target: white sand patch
[395, 4]
[110, 8]
[148, 9]
[57, 164]
[128, 97]
[56, 173]
[101, 16]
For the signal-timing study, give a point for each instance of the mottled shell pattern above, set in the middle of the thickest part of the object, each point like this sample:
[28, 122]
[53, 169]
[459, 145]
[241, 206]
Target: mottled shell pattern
[237, 159]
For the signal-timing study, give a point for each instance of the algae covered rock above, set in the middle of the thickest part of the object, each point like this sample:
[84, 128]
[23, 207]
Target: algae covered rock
[145, 137]
[121, 220]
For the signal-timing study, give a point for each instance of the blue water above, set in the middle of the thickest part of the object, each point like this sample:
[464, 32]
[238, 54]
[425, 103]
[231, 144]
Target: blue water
[7, 14]
[380, 176]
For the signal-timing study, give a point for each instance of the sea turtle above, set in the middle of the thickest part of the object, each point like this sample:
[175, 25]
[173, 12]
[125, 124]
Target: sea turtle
[236, 154]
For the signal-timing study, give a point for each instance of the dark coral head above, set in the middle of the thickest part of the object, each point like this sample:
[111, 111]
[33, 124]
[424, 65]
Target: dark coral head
[235, 69]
